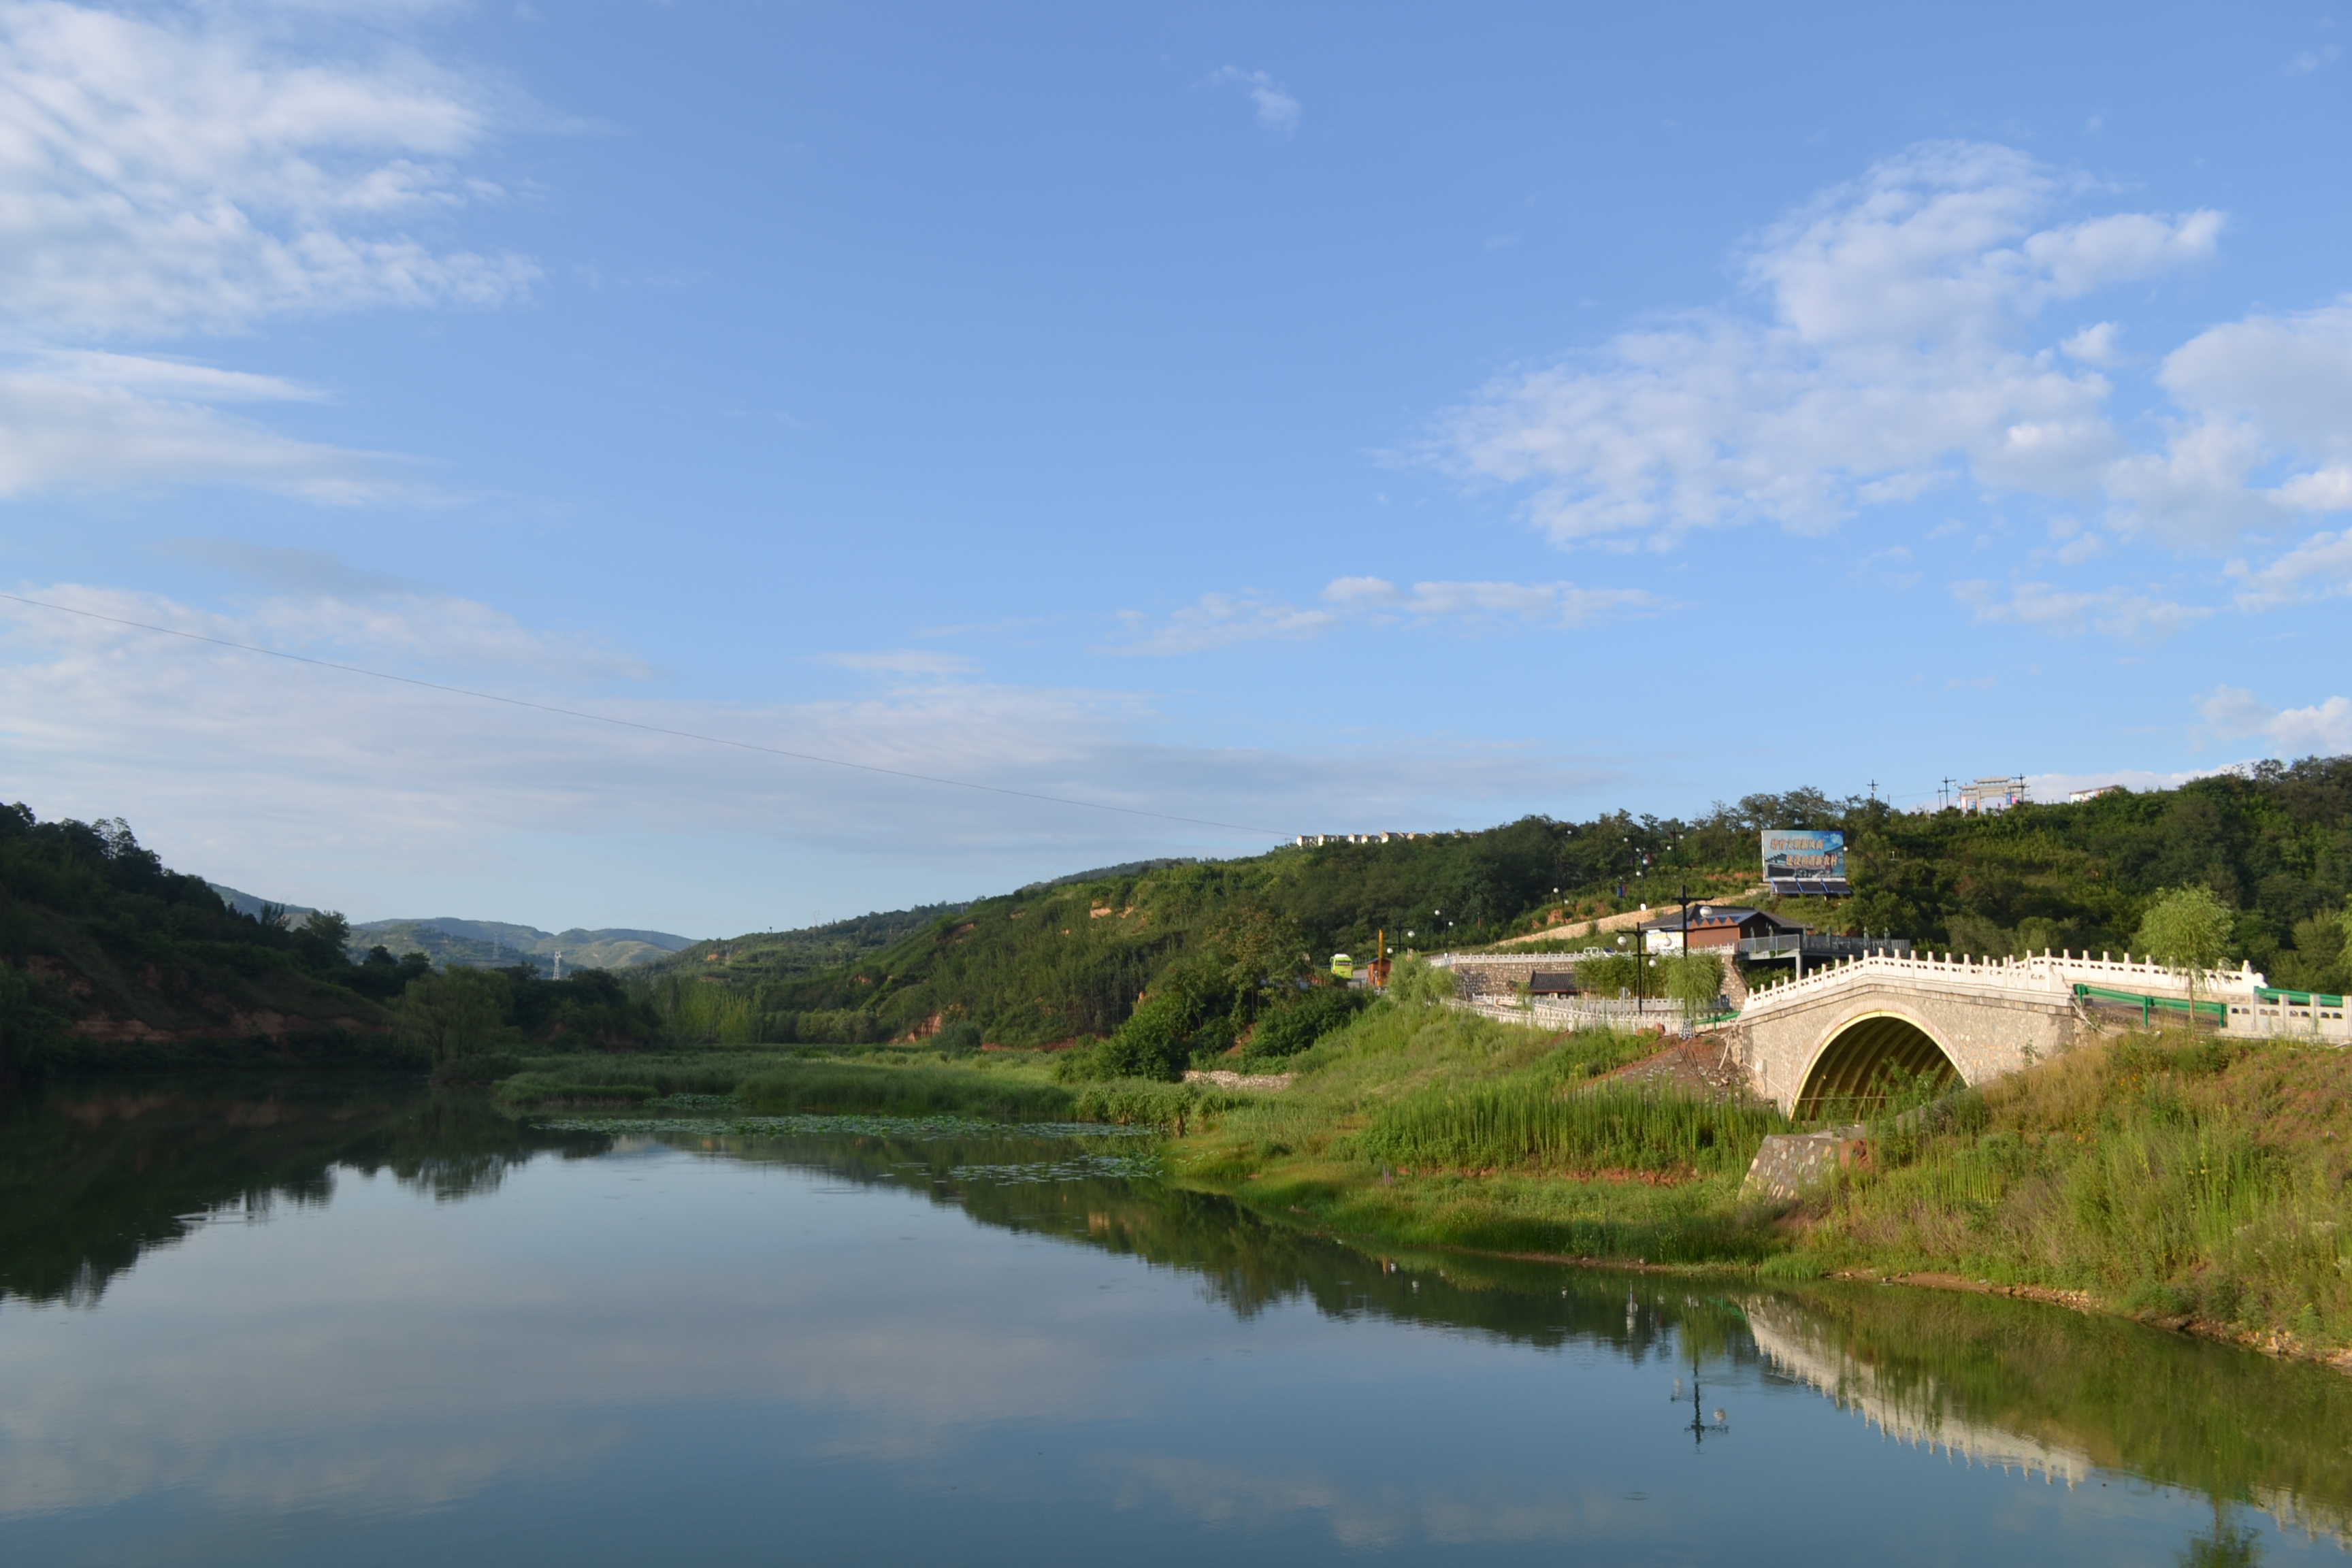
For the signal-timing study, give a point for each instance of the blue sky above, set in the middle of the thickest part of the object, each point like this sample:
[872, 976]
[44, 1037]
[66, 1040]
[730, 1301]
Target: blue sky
[1311, 418]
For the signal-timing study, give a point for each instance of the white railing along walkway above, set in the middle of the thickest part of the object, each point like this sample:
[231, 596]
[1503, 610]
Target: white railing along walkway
[2052, 976]
[1551, 1013]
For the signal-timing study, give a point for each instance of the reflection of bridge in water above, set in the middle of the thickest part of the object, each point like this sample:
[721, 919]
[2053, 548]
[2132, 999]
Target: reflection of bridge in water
[1917, 1411]
[1916, 1414]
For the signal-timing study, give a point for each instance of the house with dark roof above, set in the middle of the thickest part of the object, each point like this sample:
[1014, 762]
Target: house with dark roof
[1721, 926]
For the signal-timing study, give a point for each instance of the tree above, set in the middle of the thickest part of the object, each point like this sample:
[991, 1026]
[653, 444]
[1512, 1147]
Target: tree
[328, 927]
[459, 1012]
[2189, 929]
[1695, 980]
[1418, 984]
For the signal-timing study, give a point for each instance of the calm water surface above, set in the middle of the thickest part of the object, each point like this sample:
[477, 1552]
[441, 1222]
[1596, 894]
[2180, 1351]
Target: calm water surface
[352, 1324]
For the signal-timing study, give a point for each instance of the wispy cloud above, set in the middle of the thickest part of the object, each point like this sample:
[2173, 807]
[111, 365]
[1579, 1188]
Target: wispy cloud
[2318, 568]
[2232, 714]
[190, 169]
[1221, 620]
[2114, 612]
[178, 168]
[275, 775]
[114, 421]
[907, 663]
[1277, 110]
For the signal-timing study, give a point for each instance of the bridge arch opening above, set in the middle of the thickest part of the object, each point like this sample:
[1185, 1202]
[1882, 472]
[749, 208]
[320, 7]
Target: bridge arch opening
[1869, 1060]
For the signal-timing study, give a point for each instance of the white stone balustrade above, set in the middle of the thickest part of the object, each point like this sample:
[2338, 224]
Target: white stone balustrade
[2046, 974]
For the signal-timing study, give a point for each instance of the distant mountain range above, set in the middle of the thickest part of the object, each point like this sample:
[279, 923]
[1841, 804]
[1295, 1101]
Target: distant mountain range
[447, 939]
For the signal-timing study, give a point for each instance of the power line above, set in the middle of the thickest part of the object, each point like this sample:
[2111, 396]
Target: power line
[632, 724]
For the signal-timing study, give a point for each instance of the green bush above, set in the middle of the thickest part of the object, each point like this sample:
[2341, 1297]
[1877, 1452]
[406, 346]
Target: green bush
[544, 1088]
[1413, 983]
[1295, 1025]
[1142, 1102]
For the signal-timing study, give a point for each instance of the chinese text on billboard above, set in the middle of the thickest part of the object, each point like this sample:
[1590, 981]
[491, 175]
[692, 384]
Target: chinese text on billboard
[1790, 852]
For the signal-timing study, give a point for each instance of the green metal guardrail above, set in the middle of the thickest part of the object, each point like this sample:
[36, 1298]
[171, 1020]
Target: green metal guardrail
[2279, 999]
[2150, 1005]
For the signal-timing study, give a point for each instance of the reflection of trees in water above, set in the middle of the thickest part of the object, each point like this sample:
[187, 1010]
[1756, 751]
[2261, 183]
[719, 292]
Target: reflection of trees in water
[2230, 1546]
[1248, 1264]
[91, 1176]
[2008, 1382]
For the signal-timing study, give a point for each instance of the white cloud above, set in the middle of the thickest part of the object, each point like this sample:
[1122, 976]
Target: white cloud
[2115, 612]
[112, 420]
[185, 169]
[2320, 567]
[2269, 394]
[2093, 344]
[1277, 110]
[1221, 620]
[1895, 353]
[2324, 728]
[180, 169]
[335, 787]
[1889, 359]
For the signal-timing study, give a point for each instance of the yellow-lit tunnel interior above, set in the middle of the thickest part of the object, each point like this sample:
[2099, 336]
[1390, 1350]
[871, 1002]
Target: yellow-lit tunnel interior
[1859, 1066]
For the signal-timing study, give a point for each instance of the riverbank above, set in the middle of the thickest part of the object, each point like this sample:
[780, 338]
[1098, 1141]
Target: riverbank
[2192, 1183]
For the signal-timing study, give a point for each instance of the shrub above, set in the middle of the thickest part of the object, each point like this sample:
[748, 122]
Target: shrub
[1292, 1028]
[1415, 984]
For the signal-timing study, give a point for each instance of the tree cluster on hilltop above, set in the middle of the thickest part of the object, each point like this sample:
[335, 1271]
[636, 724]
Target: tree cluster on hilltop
[109, 959]
[101, 948]
[1073, 960]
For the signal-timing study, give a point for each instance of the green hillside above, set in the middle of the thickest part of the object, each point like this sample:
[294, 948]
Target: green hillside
[109, 960]
[785, 954]
[1071, 960]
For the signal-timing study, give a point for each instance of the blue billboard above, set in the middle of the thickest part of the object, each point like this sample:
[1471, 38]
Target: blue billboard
[1805, 860]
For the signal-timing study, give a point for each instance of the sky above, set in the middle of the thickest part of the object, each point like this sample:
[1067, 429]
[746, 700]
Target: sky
[1227, 421]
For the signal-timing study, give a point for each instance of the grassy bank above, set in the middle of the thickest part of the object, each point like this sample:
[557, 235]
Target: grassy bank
[2188, 1180]
[2193, 1181]
[873, 1080]
[1433, 1127]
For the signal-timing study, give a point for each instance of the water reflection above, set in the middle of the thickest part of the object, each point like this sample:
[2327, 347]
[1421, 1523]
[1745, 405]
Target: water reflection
[91, 1178]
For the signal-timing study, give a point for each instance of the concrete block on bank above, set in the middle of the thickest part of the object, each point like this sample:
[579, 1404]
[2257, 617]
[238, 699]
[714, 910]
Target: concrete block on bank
[1790, 1163]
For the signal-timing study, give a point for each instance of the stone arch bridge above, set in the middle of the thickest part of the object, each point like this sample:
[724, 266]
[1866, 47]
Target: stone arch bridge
[1833, 1036]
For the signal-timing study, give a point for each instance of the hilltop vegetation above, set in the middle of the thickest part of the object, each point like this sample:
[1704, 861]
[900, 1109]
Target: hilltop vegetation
[106, 957]
[772, 955]
[1072, 961]
[109, 960]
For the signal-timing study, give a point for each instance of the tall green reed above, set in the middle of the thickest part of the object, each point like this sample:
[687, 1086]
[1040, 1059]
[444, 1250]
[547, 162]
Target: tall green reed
[1532, 1123]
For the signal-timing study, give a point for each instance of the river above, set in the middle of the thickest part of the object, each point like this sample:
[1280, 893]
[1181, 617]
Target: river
[334, 1322]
